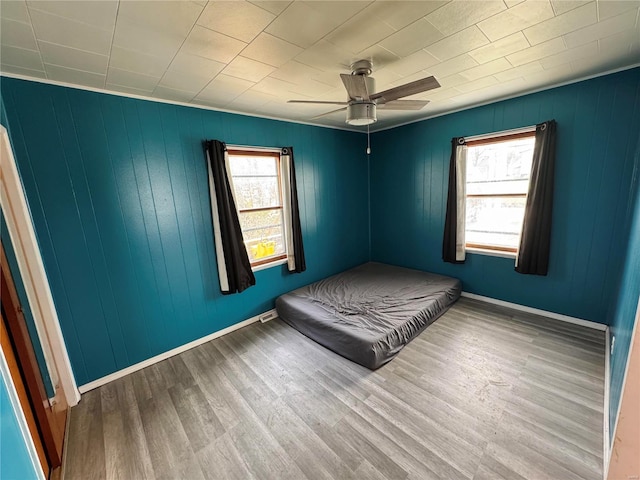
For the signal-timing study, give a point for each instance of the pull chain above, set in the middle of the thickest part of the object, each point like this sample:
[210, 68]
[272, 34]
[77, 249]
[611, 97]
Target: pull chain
[368, 142]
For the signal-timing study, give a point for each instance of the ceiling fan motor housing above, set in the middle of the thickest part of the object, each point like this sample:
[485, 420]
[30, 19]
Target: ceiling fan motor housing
[361, 113]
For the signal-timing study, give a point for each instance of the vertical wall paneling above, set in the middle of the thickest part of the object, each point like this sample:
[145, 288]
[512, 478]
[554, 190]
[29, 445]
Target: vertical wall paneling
[119, 196]
[625, 302]
[598, 125]
[26, 309]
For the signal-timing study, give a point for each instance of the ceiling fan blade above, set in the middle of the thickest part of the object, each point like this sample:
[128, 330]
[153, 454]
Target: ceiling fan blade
[328, 113]
[403, 104]
[356, 86]
[320, 102]
[407, 89]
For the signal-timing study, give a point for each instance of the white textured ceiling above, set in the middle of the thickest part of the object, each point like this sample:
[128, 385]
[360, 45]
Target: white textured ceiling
[253, 56]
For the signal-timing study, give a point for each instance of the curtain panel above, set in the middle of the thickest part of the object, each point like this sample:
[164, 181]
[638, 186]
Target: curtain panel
[453, 243]
[535, 239]
[234, 268]
[293, 232]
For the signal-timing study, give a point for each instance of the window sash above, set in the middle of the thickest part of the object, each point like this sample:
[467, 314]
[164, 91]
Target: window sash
[497, 195]
[488, 246]
[279, 206]
[260, 209]
[485, 246]
[488, 141]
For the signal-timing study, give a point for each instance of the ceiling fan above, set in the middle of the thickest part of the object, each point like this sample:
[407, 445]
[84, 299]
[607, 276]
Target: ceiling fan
[362, 104]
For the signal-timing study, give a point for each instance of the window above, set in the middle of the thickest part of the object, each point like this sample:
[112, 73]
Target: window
[257, 185]
[497, 182]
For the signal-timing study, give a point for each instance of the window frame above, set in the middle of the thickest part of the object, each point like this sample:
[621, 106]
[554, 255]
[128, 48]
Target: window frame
[276, 259]
[495, 250]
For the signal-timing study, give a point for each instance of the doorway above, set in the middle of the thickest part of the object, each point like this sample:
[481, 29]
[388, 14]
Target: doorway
[46, 420]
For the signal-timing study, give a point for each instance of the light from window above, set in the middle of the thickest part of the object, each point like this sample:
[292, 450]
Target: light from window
[497, 182]
[258, 194]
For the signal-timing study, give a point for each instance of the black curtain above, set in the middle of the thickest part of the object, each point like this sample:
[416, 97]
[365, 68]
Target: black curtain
[296, 231]
[237, 271]
[451, 220]
[535, 240]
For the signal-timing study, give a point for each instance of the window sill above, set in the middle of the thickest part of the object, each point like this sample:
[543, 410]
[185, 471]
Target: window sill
[491, 253]
[264, 266]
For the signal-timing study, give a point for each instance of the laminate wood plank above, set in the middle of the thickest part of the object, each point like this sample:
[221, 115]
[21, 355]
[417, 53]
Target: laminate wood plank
[551, 446]
[371, 453]
[429, 412]
[117, 460]
[442, 442]
[124, 439]
[265, 458]
[301, 443]
[570, 376]
[214, 352]
[200, 423]
[491, 469]
[368, 471]
[181, 371]
[85, 457]
[160, 414]
[484, 393]
[414, 455]
[338, 444]
[527, 462]
[221, 459]
[556, 386]
[141, 387]
[157, 439]
[570, 409]
[207, 380]
[558, 424]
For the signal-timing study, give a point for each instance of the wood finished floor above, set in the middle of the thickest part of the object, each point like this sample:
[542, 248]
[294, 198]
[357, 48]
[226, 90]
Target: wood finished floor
[483, 393]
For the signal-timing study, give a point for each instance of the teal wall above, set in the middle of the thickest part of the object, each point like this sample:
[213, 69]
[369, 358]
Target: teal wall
[15, 463]
[26, 309]
[118, 193]
[625, 303]
[22, 294]
[598, 124]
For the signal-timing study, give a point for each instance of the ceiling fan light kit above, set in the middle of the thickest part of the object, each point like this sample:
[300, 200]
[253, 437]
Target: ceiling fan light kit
[362, 104]
[361, 113]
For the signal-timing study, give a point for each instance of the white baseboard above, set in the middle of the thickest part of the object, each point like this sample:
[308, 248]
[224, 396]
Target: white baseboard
[163, 356]
[607, 391]
[536, 311]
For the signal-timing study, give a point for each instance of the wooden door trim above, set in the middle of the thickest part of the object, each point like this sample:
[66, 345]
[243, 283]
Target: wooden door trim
[27, 362]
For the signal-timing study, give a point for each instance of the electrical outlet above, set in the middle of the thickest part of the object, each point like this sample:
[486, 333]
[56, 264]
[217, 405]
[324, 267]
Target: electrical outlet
[613, 342]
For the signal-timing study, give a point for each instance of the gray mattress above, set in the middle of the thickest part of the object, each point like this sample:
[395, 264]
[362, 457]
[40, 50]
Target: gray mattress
[369, 313]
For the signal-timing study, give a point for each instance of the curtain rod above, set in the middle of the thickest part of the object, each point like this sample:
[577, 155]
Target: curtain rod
[501, 133]
[253, 148]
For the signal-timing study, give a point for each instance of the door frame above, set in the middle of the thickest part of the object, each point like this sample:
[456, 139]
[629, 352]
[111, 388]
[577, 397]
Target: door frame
[23, 238]
[49, 429]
